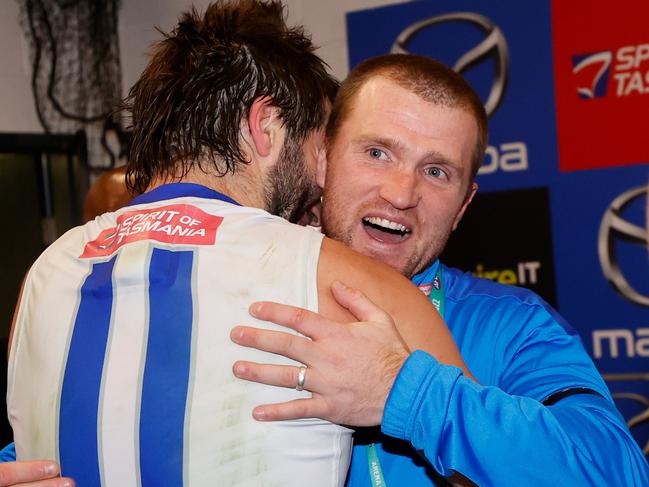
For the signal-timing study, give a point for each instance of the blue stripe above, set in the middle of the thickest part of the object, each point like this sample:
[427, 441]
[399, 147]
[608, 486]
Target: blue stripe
[166, 372]
[179, 190]
[78, 450]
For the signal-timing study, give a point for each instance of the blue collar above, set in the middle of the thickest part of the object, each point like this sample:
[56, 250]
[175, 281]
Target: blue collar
[426, 276]
[179, 190]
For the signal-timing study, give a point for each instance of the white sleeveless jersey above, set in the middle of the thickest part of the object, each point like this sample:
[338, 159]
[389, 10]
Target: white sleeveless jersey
[121, 361]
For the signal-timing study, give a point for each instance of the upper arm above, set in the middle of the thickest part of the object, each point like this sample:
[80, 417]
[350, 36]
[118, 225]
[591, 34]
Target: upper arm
[418, 322]
[545, 358]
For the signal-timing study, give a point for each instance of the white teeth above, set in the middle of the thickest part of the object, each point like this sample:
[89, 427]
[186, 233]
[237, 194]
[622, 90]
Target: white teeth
[382, 222]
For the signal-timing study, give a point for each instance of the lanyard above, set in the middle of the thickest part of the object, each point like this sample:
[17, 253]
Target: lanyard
[436, 297]
[376, 473]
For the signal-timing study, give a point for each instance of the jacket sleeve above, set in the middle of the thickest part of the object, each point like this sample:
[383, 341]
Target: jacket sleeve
[494, 438]
[8, 453]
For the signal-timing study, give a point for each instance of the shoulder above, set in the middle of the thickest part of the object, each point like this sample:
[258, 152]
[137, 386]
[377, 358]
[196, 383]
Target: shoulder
[464, 285]
[378, 281]
[499, 299]
[69, 245]
[513, 339]
[418, 322]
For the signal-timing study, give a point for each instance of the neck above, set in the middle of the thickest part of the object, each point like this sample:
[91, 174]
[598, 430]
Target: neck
[245, 187]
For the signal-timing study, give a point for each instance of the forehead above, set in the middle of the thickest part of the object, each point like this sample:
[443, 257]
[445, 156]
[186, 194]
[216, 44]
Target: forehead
[381, 107]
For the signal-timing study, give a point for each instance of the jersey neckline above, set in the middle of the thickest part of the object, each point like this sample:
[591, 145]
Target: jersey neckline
[179, 190]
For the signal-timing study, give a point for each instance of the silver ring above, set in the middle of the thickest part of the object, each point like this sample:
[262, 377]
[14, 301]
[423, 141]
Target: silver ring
[301, 377]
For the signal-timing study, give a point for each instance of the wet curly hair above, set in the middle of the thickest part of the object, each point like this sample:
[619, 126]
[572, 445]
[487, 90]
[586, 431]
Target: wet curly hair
[187, 106]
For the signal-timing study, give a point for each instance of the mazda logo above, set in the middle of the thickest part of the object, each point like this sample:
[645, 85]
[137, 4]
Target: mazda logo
[612, 228]
[492, 46]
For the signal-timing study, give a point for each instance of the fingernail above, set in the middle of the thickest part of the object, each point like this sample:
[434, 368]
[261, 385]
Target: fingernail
[50, 468]
[66, 483]
[255, 308]
[239, 369]
[259, 414]
[236, 334]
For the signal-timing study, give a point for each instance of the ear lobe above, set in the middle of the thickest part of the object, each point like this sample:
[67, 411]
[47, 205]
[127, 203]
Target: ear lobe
[465, 204]
[261, 120]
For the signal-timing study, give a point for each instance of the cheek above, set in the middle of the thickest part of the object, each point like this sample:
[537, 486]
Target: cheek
[437, 220]
[443, 208]
[345, 187]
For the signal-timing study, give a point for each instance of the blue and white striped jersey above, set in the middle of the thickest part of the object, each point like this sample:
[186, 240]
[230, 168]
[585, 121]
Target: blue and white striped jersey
[120, 363]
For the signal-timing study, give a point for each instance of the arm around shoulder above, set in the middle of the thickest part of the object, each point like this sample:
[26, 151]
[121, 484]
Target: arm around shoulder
[354, 350]
[416, 319]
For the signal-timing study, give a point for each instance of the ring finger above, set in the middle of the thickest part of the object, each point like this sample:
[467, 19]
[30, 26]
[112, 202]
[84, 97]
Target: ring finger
[274, 375]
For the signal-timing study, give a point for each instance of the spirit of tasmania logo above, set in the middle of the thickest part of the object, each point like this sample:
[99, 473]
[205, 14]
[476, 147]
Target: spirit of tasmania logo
[172, 224]
[626, 70]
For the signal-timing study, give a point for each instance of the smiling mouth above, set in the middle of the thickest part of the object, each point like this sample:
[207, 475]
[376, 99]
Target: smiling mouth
[385, 230]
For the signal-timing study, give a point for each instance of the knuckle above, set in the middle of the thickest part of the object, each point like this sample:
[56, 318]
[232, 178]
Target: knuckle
[356, 294]
[286, 343]
[298, 316]
[385, 316]
[252, 373]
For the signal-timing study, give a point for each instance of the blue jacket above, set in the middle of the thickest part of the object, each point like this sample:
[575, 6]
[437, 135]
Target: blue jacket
[499, 432]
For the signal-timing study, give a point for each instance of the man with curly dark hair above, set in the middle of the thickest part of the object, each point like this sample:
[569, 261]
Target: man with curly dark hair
[121, 356]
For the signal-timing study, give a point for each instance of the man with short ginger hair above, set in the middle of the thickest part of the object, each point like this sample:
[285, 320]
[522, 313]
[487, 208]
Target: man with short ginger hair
[405, 136]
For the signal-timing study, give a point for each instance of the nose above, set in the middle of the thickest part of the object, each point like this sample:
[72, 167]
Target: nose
[399, 188]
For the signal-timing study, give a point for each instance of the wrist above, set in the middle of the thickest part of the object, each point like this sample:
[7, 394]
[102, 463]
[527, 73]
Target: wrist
[414, 373]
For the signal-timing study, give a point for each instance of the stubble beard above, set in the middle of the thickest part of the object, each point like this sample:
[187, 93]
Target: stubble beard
[290, 186]
[334, 226]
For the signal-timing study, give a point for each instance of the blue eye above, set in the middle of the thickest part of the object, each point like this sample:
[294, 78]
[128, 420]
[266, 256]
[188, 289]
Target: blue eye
[435, 172]
[376, 153]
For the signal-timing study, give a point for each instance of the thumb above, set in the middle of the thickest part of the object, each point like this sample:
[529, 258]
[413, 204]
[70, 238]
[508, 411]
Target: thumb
[358, 304]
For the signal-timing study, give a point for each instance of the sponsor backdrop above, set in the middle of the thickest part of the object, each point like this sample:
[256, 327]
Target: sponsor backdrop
[561, 207]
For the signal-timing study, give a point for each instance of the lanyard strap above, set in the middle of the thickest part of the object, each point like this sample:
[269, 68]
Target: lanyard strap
[437, 296]
[438, 299]
[376, 473]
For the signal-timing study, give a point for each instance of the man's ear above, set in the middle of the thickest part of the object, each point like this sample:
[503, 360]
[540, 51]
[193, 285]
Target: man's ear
[321, 165]
[264, 124]
[465, 204]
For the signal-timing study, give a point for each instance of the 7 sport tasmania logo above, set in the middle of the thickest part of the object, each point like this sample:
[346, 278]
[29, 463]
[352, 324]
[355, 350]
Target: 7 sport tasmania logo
[601, 80]
[618, 73]
[591, 73]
